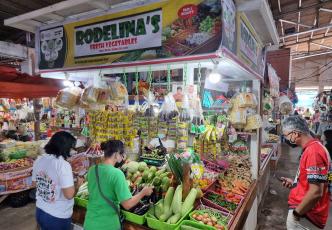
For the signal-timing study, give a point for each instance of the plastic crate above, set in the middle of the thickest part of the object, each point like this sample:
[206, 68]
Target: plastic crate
[195, 225]
[159, 225]
[228, 217]
[134, 218]
[213, 205]
[81, 202]
[213, 166]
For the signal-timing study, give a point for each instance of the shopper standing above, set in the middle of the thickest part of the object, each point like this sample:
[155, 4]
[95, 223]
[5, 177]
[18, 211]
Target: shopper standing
[315, 120]
[108, 189]
[54, 181]
[309, 197]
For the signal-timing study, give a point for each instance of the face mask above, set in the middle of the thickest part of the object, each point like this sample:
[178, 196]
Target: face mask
[290, 144]
[119, 163]
[161, 135]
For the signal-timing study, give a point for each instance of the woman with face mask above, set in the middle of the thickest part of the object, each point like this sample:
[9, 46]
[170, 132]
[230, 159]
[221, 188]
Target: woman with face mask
[108, 189]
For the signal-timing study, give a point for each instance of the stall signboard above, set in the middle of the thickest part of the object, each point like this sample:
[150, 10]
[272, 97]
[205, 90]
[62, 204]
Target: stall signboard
[249, 46]
[229, 25]
[160, 29]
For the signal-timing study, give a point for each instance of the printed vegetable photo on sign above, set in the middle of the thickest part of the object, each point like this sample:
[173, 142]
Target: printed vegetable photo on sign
[160, 30]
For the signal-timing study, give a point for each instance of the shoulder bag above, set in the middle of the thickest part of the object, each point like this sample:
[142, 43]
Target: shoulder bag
[110, 202]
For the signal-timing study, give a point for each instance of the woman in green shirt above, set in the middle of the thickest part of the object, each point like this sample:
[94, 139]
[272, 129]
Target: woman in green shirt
[100, 214]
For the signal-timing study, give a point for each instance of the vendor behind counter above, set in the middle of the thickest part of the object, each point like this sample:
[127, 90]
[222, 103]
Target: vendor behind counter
[162, 139]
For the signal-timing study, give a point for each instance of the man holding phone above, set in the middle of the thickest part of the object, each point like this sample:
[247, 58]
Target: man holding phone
[309, 196]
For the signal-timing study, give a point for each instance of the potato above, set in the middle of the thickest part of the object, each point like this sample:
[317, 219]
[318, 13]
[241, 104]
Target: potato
[206, 215]
[213, 219]
[210, 223]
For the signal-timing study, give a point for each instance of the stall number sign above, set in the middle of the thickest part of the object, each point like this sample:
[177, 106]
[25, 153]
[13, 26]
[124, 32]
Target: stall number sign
[248, 44]
[120, 35]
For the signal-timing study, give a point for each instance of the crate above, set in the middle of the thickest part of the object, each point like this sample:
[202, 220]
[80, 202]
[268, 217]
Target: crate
[228, 217]
[134, 218]
[194, 225]
[81, 202]
[159, 225]
[213, 205]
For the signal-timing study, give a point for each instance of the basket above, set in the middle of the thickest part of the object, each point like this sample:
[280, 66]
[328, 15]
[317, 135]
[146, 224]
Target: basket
[134, 218]
[195, 225]
[81, 202]
[159, 225]
[228, 217]
[213, 166]
[213, 205]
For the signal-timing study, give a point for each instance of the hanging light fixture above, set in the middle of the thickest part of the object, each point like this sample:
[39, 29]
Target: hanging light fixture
[214, 77]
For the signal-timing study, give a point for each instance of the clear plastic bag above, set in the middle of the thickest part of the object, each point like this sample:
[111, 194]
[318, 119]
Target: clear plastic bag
[68, 97]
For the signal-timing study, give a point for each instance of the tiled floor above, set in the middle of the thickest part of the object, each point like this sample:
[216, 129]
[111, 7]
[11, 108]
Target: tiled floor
[274, 211]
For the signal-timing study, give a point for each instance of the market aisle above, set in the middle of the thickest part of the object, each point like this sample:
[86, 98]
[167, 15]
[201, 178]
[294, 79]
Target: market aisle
[17, 218]
[274, 210]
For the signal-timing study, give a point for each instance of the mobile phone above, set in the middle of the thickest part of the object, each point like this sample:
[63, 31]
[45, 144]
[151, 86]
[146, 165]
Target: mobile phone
[280, 179]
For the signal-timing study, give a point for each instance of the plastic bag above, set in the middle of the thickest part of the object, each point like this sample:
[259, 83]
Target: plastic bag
[246, 100]
[150, 107]
[285, 105]
[90, 95]
[68, 97]
[253, 122]
[169, 110]
[238, 116]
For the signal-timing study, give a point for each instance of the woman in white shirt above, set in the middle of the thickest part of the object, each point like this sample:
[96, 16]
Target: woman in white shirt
[55, 188]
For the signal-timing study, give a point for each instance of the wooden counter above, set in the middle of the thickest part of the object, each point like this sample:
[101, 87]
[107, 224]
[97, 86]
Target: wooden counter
[241, 217]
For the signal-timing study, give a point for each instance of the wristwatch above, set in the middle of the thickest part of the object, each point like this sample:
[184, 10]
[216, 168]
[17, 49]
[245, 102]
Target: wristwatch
[296, 215]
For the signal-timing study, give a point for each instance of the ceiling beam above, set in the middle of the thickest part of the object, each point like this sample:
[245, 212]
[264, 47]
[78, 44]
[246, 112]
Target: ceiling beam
[305, 8]
[295, 23]
[307, 31]
[326, 10]
[99, 5]
[321, 45]
[303, 41]
[311, 55]
[14, 21]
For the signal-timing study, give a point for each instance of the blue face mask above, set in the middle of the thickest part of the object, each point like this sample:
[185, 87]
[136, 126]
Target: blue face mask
[161, 135]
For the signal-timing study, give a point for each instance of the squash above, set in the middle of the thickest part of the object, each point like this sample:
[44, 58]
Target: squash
[177, 200]
[168, 199]
[174, 219]
[189, 202]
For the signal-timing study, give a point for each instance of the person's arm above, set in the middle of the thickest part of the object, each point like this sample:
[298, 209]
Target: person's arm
[132, 202]
[123, 194]
[67, 181]
[311, 198]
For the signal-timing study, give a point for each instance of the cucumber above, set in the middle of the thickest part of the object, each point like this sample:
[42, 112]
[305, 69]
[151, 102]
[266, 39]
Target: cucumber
[186, 227]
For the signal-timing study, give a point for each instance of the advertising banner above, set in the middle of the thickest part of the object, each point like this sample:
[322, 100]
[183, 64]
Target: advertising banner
[162, 29]
[249, 47]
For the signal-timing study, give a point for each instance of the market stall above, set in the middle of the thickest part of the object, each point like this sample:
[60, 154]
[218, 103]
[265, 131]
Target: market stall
[189, 71]
[24, 99]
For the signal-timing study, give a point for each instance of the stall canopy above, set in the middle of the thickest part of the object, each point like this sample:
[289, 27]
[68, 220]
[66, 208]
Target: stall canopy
[14, 84]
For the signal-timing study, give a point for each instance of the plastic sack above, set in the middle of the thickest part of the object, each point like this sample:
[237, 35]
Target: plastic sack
[118, 91]
[253, 122]
[90, 95]
[150, 107]
[168, 110]
[238, 116]
[246, 100]
[68, 97]
[285, 105]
